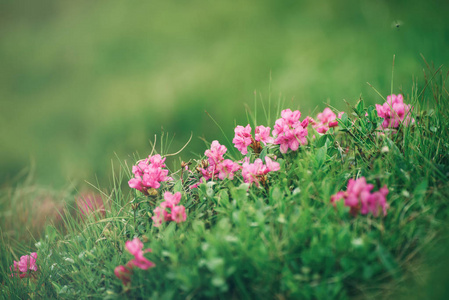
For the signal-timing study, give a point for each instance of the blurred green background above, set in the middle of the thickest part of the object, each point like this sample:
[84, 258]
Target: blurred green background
[80, 80]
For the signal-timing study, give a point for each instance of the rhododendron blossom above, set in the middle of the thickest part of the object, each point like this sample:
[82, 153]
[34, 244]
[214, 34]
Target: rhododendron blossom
[326, 119]
[242, 138]
[217, 166]
[215, 153]
[395, 112]
[124, 273]
[358, 197]
[177, 212]
[288, 131]
[159, 216]
[262, 134]
[135, 247]
[25, 264]
[149, 173]
[171, 200]
[291, 117]
[255, 172]
[227, 168]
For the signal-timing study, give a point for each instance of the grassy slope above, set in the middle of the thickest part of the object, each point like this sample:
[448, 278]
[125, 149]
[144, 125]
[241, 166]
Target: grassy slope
[285, 241]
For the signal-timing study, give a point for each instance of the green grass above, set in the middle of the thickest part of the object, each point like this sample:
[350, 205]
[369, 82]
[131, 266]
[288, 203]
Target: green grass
[284, 241]
[82, 80]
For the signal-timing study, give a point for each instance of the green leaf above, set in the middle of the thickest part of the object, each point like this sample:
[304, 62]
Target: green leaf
[372, 114]
[178, 187]
[321, 141]
[344, 119]
[321, 156]
[263, 153]
[223, 197]
[359, 108]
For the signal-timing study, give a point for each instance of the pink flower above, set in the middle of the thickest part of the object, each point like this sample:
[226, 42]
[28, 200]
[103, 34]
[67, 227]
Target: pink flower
[320, 128]
[194, 186]
[171, 200]
[215, 153]
[159, 215]
[251, 172]
[327, 119]
[157, 161]
[291, 138]
[255, 172]
[142, 263]
[210, 172]
[25, 264]
[359, 197]
[149, 173]
[262, 134]
[395, 112]
[306, 122]
[179, 214]
[141, 166]
[288, 131]
[136, 183]
[377, 202]
[337, 196]
[326, 116]
[292, 118]
[215, 157]
[124, 273]
[242, 138]
[135, 248]
[333, 124]
[272, 166]
[227, 168]
[218, 166]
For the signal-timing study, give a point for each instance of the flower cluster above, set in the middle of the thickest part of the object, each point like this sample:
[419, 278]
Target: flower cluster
[24, 266]
[394, 112]
[218, 166]
[149, 173]
[177, 212]
[135, 247]
[243, 138]
[289, 132]
[359, 197]
[256, 171]
[327, 119]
